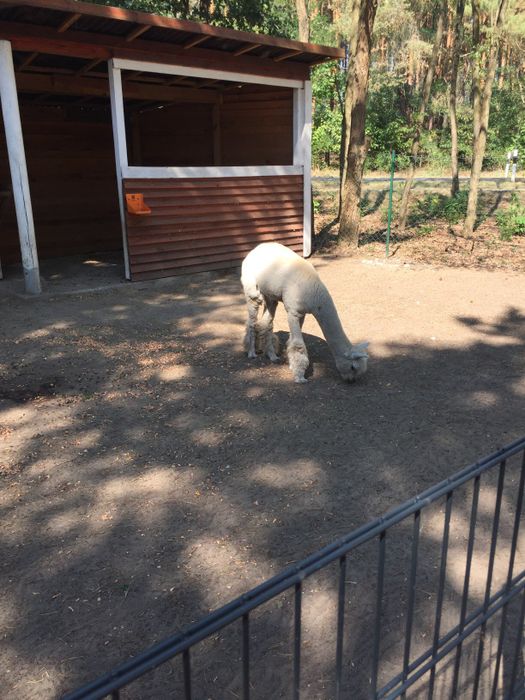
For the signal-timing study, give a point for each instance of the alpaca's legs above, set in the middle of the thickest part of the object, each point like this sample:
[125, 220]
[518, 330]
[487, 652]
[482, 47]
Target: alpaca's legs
[266, 327]
[253, 301]
[297, 355]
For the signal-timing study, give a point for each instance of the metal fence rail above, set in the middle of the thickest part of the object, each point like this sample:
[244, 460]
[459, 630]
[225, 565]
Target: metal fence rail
[443, 644]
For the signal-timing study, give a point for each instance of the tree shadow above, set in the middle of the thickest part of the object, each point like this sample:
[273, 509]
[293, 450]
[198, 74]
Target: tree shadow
[367, 207]
[152, 473]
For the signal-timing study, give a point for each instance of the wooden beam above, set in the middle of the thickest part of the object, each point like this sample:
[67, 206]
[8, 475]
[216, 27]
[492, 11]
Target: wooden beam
[199, 72]
[245, 49]
[98, 87]
[18, 167]
[151, 173]
[195, 41]
[89, 45]
[286, 55]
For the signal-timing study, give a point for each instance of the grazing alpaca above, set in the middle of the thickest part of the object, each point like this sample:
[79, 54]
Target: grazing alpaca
[271, 273]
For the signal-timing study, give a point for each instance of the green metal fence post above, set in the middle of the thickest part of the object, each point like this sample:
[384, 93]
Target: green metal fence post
[390, 201]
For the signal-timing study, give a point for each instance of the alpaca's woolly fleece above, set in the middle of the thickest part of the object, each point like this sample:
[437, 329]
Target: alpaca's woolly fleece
[271, 273]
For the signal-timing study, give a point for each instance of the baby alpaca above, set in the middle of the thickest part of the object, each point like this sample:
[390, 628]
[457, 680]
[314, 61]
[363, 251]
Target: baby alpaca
[271, 273]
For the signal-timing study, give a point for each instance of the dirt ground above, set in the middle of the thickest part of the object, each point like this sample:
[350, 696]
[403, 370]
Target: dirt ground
[432, 241]
[150, 472]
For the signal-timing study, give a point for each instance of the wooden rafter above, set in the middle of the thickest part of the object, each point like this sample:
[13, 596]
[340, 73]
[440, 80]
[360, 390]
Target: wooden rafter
[207, 83]
[89, 66]
[60, 29]
[195, 41]
[90, 45]
[286, 55]
[138, 31]
[68, 22]
[245, 49]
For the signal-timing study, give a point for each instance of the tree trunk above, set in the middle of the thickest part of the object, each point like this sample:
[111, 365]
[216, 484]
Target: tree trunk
[481, 108]
[347, 116]
[355, 111]
[456, 48]
[427, 87]
[303, 19]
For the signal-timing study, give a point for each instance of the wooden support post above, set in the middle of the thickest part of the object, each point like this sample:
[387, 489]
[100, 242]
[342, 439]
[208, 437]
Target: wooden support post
[18, 167]
[307, 165]
[302, 155]
[121, 150]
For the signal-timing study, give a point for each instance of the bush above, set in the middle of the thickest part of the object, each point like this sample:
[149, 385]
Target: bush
[511, 221]
[439, 206]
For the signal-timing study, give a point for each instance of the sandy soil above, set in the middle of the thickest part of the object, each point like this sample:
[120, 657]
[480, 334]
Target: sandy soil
[150, 472]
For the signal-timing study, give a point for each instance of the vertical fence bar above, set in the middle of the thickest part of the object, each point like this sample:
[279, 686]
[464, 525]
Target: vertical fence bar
[466, 583]
[379, 600]
[186, 667]
[441, 590]
[513, 547]
[492, 556]
[390, 195]
[411, 594]
[246, 657]
[517, 650]
[340, 627]
[297, 643]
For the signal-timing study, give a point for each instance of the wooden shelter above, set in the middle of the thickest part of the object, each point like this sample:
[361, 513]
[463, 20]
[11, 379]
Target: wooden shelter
[208, 130]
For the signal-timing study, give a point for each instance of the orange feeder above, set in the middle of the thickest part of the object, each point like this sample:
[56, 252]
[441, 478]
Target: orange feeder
[135, 204]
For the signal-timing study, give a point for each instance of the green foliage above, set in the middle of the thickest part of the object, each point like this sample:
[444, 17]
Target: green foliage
[511, 221]
[506, 126]
[439, 206]
[275, 17]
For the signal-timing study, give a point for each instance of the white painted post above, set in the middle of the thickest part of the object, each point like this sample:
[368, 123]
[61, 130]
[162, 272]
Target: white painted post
[507, 165]
[307, 166]
[121, 150]
[514, 164]
[18, 167]
[298, 123]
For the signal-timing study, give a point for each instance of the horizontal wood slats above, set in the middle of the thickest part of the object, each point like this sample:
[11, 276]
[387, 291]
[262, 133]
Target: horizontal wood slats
[209, 224]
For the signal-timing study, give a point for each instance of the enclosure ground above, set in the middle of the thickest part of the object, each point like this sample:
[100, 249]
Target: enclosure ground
[150, 472]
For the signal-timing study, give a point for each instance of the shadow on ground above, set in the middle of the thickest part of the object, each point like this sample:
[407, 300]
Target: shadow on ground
[152, 473]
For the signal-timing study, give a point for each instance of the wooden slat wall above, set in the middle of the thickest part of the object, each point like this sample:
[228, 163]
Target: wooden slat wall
[71, 167]
[176, 135]
[209, 224]
[256, 126]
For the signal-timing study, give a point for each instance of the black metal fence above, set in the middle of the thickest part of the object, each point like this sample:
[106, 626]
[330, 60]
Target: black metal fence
[468, 643]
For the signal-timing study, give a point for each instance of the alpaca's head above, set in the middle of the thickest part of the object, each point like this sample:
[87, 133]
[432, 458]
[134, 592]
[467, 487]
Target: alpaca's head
[354, 362]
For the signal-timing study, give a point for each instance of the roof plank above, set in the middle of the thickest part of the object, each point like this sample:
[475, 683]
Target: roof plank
[89, 45]
[132, 16]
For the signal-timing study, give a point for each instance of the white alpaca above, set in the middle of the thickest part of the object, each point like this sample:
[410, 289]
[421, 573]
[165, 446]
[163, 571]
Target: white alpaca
[271, 273]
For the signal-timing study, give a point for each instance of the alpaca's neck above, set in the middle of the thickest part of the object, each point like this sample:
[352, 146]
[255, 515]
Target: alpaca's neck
[328, 318]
